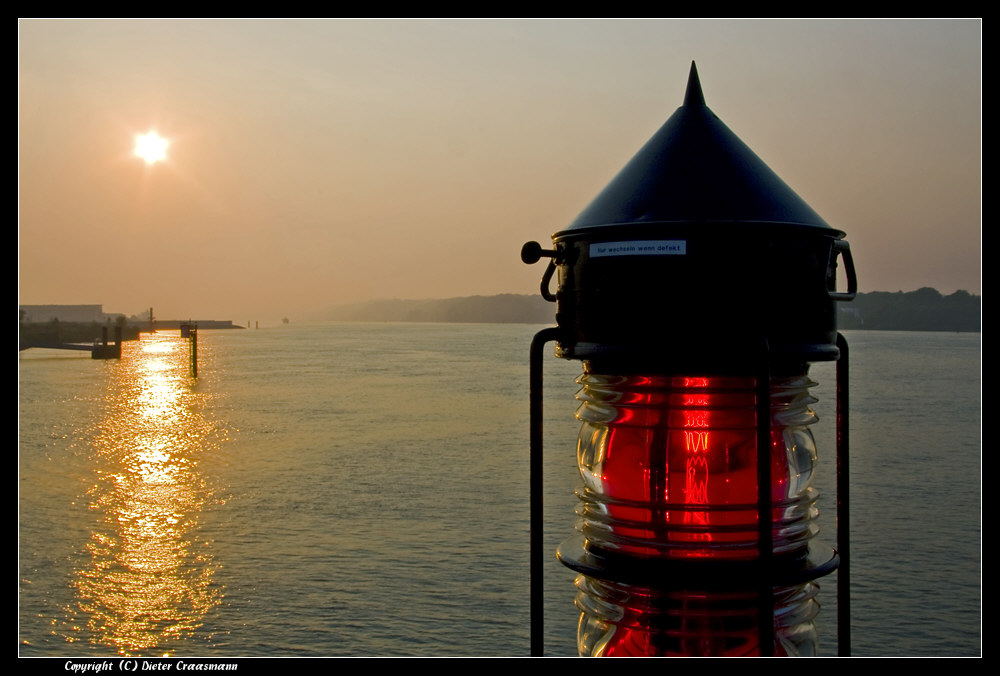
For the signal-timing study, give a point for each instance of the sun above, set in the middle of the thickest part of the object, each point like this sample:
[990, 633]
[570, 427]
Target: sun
[151, 147]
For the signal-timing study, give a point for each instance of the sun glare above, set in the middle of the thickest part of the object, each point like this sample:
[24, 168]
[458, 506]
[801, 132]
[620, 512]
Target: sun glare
[151, 147]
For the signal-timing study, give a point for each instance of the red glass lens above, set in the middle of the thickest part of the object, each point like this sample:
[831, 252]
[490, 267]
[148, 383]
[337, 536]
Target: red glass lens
[670, 465]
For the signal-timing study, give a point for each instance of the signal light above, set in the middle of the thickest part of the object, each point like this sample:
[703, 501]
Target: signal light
[697, 518]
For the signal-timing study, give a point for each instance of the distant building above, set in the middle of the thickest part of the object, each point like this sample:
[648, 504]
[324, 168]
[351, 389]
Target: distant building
[64, 313]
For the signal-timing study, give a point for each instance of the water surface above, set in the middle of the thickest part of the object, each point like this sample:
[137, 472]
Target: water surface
[361, 489]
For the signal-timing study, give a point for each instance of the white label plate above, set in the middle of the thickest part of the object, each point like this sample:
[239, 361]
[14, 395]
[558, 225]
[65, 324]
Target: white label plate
[642, 247]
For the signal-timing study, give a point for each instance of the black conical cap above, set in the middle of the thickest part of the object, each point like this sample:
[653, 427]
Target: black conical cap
[695, 170]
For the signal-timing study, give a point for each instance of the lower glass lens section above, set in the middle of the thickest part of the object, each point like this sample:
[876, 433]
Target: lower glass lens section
[624, 620]
[669, 465]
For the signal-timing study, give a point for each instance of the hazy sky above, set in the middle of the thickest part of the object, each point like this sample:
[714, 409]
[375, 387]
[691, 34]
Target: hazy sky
[313, 163]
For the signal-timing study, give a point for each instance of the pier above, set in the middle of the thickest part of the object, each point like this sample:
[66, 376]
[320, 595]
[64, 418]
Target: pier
[99, 348]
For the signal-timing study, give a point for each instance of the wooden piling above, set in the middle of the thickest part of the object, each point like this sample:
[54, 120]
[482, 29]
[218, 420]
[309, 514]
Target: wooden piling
[193, 338]
[102, 350]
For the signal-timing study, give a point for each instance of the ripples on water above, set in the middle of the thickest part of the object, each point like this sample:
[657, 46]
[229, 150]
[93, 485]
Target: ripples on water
[350, 489]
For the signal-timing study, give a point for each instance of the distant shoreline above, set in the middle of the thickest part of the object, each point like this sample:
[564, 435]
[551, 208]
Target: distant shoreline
[921, 310]
[170, 324]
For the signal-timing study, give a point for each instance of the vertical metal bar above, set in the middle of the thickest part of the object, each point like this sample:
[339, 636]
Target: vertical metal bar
[843, 500]
[765, 535]
[536, 556]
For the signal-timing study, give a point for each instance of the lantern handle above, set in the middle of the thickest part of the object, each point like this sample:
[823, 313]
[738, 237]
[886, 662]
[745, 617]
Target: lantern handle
[546, 280]
[532, 252]
[843, 248]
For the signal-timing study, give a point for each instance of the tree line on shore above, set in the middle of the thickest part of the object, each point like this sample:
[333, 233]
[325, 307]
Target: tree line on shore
[925, 309]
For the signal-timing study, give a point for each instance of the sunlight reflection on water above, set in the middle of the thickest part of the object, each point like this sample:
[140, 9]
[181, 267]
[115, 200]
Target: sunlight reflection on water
[148, 580]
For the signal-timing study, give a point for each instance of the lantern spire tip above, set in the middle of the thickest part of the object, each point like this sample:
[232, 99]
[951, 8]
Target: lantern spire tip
[693, 96]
